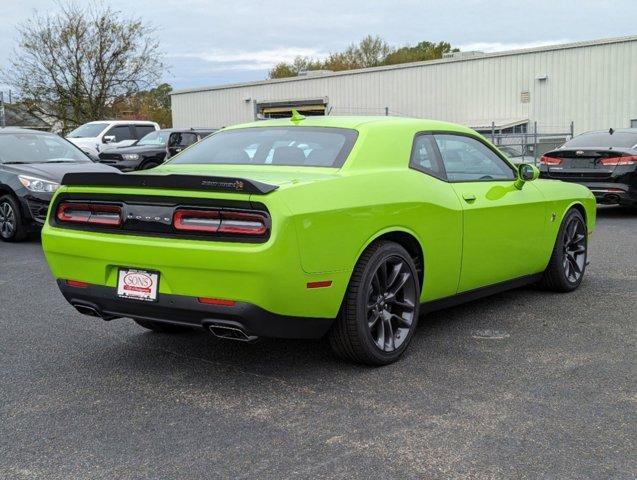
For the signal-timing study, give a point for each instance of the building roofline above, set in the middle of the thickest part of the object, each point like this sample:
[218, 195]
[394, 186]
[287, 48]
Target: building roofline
[505, 53]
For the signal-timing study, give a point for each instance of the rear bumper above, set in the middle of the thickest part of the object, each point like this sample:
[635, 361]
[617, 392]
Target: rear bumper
[185, 310]
[606, 193]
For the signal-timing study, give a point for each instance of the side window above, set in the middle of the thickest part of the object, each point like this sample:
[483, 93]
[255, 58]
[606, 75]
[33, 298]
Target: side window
[187, 139]
[121, 133]
[143, 130]
[467, 159]
[424, 156]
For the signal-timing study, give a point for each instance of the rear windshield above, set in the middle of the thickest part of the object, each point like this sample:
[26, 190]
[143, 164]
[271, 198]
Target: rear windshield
[296, 146]
[603, 140]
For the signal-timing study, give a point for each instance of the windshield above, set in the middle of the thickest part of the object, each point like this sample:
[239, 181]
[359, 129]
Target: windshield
[295, 146]
[38, 148]
[88, 130]
[603, 139]
[157, 138]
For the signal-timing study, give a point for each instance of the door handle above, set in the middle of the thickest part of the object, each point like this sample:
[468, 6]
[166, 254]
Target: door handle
[469, 197]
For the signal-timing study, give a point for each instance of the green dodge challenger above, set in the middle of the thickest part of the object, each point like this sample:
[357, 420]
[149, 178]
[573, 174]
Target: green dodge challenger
[348, 227]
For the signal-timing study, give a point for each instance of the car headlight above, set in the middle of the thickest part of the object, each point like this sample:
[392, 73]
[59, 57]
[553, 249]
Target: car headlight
[38, 185]
[130, 156]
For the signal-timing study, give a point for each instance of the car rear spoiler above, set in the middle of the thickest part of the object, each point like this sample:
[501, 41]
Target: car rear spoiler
[176, 181]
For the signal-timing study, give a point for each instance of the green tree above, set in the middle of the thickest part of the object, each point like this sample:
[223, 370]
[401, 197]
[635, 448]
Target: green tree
[369, 52]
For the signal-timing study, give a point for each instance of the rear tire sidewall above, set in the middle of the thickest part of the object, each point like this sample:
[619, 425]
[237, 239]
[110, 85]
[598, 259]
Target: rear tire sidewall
[386, 251]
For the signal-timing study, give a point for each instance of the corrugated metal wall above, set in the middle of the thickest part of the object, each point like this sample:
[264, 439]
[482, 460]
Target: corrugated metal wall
[594, 85]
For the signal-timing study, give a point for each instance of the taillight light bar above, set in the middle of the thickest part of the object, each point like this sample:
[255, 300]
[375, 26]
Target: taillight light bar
[221, 222]
[545, 160]
[90, 213]
[616, 161]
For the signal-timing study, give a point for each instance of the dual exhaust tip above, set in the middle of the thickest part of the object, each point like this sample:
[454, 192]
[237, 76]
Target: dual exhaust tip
[219, 330]
[228, 332]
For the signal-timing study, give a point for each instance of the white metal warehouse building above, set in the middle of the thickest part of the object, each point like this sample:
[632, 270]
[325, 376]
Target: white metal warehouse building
[591, 84]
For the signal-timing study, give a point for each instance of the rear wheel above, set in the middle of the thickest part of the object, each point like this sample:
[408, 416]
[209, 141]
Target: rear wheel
[568, 261]
[162, 327]
[380, 310]
[12, 228]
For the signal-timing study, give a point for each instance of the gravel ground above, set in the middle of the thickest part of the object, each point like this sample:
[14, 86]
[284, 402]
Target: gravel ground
[525, 384]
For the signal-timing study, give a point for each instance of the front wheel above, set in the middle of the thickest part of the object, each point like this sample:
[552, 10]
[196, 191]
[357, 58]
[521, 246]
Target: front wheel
[566, 268]
[12, 228]
[380, 310]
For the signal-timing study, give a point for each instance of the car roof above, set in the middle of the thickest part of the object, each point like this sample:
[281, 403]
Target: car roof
[360, 123]
[195, 130]
[615, 130]
[23, 130]
[124, 122]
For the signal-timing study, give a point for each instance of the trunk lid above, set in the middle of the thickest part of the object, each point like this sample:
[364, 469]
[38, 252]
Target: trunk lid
[582, 164]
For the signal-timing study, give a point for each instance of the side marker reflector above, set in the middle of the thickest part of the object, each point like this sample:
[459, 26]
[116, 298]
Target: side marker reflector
[217, 301]
[323, 284]
[76, 284]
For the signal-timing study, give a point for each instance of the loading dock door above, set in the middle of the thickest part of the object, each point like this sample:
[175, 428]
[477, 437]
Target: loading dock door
[284, 109]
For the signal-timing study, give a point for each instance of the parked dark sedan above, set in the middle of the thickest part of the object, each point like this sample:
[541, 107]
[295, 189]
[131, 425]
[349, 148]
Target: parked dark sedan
[604, 161]
[153, 149]
[32, 164]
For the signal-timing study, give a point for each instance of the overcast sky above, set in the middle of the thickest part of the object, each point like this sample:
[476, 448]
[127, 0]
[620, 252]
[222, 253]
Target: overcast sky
[208, 42]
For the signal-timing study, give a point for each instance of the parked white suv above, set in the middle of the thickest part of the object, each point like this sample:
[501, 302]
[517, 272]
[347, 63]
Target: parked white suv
[94, 137]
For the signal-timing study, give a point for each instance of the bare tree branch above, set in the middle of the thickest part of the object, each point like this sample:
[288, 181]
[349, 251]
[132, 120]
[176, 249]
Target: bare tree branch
[74, 65]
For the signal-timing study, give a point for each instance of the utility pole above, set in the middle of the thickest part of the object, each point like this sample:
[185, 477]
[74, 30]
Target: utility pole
[2, 120]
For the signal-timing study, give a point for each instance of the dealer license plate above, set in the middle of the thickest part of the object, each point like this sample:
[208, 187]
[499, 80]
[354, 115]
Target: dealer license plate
[137, 285]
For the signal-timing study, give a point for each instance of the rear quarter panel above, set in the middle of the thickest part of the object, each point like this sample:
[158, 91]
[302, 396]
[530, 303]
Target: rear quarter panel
[336, 220]
[560, 198]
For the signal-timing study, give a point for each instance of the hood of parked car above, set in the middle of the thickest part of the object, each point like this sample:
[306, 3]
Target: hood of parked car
[55, 171]
[139, 149]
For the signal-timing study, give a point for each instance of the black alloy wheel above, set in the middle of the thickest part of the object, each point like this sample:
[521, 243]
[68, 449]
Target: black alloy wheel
[391, 303]
[574, 241]
[379, 313]
[567, 265]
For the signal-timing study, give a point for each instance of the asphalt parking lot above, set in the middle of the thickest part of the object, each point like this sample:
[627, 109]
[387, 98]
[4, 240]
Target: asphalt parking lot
[525, 384]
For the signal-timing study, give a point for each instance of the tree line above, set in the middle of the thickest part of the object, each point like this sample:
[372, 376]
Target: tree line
[371, 51]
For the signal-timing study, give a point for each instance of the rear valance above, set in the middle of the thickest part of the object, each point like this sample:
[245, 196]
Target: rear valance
[175, 181]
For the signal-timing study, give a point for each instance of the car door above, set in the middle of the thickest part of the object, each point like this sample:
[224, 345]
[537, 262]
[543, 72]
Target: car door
[503, 226]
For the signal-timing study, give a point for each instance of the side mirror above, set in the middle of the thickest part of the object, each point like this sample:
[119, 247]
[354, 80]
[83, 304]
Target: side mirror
[109, 139]
[526, 173]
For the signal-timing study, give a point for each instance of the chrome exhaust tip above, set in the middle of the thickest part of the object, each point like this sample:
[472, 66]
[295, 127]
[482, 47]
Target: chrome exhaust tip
[227, 332]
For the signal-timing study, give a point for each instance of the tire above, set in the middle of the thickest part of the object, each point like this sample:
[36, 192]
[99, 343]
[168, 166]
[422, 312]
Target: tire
[148, 165]
[161, 327]
[12, 228]
[567, 265]
[370, 308]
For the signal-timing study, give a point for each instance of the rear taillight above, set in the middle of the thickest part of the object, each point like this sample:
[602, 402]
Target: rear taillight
[545, 160]
[90, 213]
[221, 222]
[616, 161]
